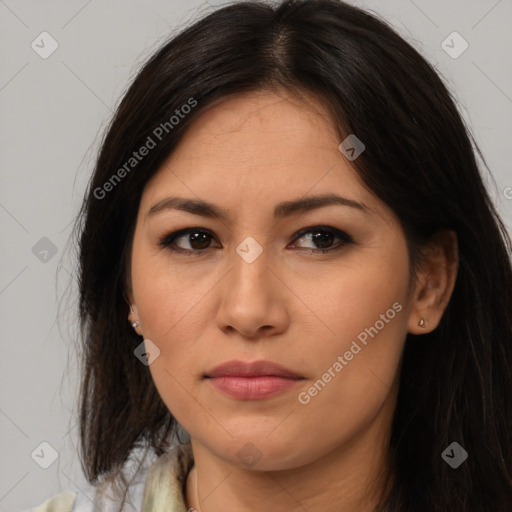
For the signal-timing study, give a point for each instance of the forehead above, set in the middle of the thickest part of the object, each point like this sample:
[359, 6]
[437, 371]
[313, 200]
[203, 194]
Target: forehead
[252, 110]
[258, 147]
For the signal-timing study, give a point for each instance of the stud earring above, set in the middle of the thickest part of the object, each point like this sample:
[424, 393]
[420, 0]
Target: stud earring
[135, 324]
[421, 323]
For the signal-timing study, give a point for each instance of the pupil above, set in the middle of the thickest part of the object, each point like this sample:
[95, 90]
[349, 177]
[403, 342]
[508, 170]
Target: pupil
[322, 237]
[199, 237]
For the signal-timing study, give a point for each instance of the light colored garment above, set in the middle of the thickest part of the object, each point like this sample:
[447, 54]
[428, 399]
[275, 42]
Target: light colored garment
[159, 487]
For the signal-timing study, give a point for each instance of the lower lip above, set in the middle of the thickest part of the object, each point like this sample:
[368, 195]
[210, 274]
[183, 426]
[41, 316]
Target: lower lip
[253, 388]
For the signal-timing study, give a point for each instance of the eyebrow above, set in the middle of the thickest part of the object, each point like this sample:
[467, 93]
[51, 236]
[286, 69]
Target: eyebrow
[284, 209]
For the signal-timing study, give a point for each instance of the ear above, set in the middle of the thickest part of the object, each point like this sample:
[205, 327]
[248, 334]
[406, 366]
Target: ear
[128, 296]
[435, 282]
[133, 315]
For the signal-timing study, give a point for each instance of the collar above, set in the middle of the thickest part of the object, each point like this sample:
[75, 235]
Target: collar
[165, 482]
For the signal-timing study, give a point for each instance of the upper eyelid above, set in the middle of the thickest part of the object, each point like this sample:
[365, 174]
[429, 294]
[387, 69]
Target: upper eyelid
[339, 233]
[319, 227]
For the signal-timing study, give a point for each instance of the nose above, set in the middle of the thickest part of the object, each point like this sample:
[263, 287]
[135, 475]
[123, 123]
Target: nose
[253, 300]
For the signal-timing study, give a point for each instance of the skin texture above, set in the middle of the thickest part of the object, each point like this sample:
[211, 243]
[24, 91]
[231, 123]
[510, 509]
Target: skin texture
[246, 154]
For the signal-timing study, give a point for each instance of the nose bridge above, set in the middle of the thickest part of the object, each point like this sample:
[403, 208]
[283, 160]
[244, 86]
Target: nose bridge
[249, 297]
[249, 265]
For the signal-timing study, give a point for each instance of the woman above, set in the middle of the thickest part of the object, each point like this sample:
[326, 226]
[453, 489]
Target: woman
[287, 249]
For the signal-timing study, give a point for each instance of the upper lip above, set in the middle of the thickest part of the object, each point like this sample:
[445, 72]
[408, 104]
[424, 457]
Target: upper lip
[251, 369]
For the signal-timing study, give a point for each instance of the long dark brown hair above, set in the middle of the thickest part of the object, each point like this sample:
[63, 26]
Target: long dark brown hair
[420, 159]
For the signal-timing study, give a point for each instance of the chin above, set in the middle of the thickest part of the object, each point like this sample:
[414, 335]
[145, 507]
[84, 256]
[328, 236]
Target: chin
[261, 452]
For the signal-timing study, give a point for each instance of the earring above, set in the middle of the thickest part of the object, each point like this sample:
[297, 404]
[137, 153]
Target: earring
[135, 324]
[421, 323]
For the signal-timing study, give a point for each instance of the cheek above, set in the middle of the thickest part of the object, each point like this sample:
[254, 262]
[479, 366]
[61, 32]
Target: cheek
[171, 305]
[362, 312]
[356, 368]
[359, 294]
[167, 296]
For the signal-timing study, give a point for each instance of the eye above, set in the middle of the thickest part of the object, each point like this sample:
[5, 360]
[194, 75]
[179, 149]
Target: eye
[197, 238]
[323, 237]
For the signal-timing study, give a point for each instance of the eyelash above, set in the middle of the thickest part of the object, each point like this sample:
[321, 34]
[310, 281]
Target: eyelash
[168, 240]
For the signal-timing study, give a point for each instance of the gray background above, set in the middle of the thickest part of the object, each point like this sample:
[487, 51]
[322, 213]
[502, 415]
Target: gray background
[53, 112]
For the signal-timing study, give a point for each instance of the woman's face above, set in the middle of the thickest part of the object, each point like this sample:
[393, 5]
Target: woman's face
[255, 289]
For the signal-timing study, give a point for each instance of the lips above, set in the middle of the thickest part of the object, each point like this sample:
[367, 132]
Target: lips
[253, 369]
[252, 381]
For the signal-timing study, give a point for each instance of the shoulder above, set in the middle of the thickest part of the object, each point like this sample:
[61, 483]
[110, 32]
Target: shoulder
[157, 480]
[67, 501]
[104, 497]
[63, 502]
